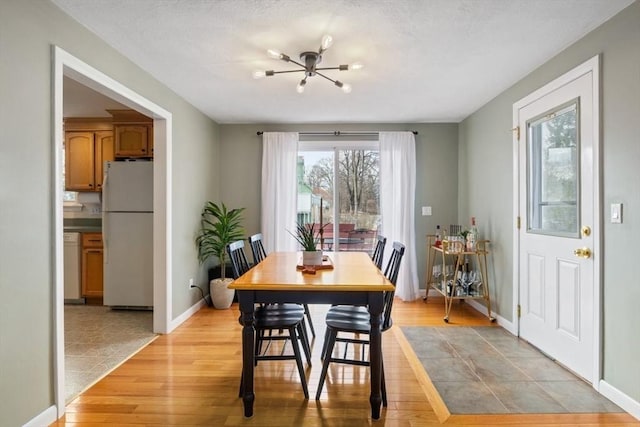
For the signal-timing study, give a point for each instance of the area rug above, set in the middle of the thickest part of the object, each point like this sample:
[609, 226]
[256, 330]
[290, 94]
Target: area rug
[486, 370]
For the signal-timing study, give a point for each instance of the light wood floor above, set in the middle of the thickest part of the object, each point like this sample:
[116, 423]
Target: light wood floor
[191, 376]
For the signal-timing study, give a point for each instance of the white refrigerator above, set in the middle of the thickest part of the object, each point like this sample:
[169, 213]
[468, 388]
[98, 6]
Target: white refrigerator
[127, 232]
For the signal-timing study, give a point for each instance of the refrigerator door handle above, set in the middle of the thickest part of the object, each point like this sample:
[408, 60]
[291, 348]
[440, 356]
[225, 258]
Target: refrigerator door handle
[105, 183]
[105, 221]
[105, 239]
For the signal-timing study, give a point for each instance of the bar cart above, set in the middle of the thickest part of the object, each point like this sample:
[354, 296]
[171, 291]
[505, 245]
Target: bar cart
[450, 274]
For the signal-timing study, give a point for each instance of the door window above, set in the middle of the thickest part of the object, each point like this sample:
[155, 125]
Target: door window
[552, 172]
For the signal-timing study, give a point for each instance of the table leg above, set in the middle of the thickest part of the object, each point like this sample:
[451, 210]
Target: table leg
[248, 331]
[375, 352]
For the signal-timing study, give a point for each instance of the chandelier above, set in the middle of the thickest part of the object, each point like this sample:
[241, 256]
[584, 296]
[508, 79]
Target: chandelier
[309, 65]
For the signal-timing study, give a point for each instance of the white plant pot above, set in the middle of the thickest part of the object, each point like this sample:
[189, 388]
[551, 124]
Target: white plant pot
[312, 258]
[221, 295]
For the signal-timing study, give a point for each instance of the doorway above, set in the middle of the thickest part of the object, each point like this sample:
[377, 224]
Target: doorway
[66, 65]
[557, 203]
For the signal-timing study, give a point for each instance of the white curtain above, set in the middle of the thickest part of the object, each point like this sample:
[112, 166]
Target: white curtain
[397, 200]
[279, 190]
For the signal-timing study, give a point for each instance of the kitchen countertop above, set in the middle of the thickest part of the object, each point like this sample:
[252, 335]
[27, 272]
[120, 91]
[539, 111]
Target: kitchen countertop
[82, 229]
[82, 225]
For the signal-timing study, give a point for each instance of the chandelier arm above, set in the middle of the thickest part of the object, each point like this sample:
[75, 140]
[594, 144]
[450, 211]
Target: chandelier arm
[288, 71]
[329, 68]
[322, 75]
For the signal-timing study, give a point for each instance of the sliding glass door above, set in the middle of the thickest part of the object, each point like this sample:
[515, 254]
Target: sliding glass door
[339, 187]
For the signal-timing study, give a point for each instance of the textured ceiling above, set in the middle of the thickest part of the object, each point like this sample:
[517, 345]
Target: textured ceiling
[425, 60]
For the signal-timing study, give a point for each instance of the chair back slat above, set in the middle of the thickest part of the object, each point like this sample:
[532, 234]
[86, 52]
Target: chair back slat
[257, 249]
[378, 252]
[391, 273]
[239, 262]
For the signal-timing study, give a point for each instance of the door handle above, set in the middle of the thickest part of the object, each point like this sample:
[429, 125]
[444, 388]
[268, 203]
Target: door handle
[582, 252]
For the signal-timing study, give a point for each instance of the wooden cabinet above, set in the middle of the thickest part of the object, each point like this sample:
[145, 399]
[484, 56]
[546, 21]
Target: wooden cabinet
[132, 141]
[88, 144]
[92, 268]
[133, 134]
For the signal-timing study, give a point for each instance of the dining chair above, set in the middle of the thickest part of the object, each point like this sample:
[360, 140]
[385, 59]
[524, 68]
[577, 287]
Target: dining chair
[281, 317]
[378, 252]
[357, 324]
[356, 310]
[257, 249]
[258, 252]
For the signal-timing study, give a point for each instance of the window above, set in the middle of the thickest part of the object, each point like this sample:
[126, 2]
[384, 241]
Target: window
[338, 185]
[553, 175]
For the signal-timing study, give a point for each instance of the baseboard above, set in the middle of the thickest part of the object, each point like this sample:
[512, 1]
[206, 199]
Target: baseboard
[619, 398]
[45, 418]
[506, 324]
[187, 314]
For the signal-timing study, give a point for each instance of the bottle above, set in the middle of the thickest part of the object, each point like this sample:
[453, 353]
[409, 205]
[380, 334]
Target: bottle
[438, 242]
[472, 237]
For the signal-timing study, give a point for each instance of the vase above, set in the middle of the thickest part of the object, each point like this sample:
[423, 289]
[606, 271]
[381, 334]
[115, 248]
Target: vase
[312, 258]
[221, 295]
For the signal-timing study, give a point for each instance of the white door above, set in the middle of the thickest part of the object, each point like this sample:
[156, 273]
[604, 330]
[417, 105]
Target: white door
[557, 195]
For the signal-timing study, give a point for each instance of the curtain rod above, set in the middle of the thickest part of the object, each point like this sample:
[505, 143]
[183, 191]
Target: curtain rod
[337, 133]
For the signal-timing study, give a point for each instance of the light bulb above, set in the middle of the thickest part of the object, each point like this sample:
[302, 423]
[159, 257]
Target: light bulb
[327, 41]
[356, 66]
[258, 74]
[346, 88]
[273, 53]
[300, 87]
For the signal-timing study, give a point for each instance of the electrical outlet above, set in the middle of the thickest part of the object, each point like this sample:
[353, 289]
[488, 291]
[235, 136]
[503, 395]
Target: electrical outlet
[191, 285]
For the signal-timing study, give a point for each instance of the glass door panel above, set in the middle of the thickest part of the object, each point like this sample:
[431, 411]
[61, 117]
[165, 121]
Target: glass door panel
[315, 192]
[340, 188]
[358, 199]
[552, 172]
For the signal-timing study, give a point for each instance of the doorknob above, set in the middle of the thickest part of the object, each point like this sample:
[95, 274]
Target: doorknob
[582, 252]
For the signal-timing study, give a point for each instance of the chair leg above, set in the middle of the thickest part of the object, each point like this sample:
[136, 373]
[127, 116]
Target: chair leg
[325, 343]
[308, 314]
[296, 351]
[302, 333]
[330, 341]
[241, 391]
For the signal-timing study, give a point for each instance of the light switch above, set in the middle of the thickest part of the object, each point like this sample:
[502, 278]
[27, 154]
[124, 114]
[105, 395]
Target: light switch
[426, 211]
[616, 213]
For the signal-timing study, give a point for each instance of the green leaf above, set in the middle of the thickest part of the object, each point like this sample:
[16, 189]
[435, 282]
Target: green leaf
[219, 226]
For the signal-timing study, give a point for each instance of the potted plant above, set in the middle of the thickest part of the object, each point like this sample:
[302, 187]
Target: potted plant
[308, 236]
[219, 227]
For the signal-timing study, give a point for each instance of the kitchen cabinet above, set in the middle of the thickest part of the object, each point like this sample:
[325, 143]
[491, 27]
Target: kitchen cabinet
[133, 134]
[88, 144]
[92, 268]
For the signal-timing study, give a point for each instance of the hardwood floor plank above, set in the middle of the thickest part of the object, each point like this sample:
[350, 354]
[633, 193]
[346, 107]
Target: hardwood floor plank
[191, 378]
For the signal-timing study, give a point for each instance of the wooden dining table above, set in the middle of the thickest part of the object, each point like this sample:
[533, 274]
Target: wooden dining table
[351, 278]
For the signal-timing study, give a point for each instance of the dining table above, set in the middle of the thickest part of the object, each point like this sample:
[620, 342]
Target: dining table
[344, 278]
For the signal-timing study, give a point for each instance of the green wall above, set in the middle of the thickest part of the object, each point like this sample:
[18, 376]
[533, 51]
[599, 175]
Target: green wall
[436, 171]
[28, 29]
[487, 175]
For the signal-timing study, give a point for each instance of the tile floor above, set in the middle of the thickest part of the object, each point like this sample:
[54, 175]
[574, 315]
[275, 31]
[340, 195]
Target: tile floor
[488, 370]
[98, 339]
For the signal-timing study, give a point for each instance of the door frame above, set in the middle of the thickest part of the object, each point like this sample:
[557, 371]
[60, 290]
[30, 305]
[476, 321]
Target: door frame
[65, 64]
[590, 66]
